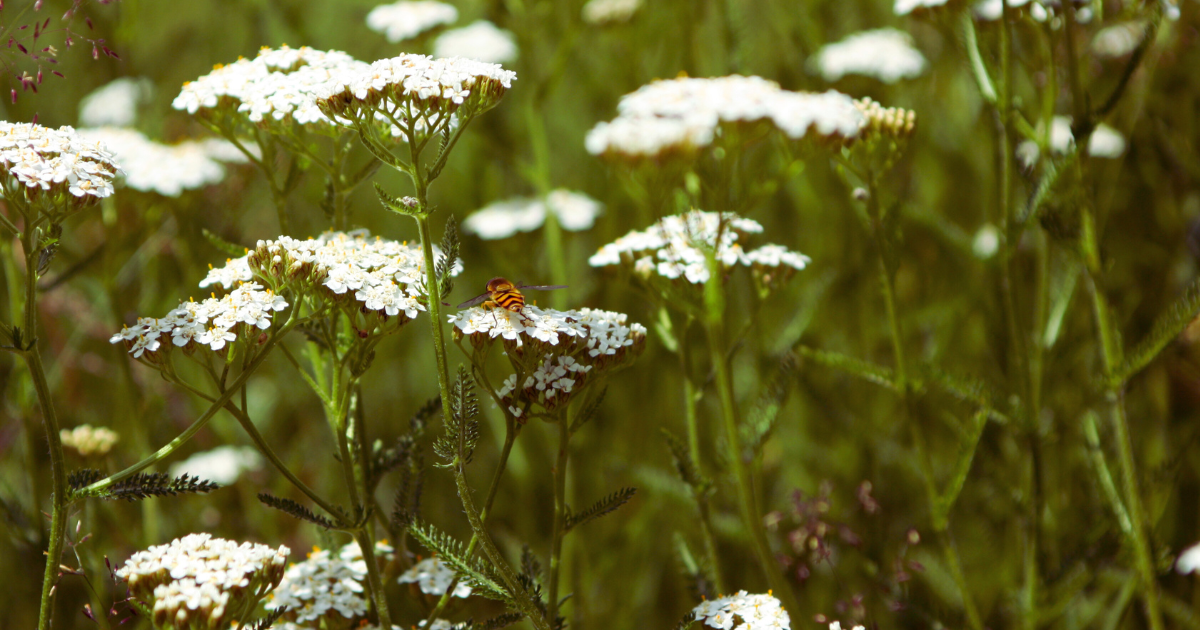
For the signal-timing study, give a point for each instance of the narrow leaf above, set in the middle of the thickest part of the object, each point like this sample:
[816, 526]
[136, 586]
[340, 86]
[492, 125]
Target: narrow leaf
[857, 367]
[294, 509]
[604, 506]
[225, 247]
[1165, 329]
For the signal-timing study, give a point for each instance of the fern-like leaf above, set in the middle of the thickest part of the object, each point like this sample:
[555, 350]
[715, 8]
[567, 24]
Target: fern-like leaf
[225, 247]
[684, 465]
[965, 388]
[607, 505]
[857, 367]
[264, 623]
[406, 508]
[589, 412]
[462, 427]
[445, 263]
[294, 509]
[762, 417]
[83, 477]
[479, 576]
[501, 621]
[148, 485]
[392, 203]
[1166, 328]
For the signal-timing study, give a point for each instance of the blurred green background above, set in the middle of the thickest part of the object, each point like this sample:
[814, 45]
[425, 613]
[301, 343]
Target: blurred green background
[835, 431]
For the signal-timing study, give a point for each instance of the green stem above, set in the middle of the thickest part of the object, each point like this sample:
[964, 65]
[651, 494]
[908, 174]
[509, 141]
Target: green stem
[435, 302]
[693, 434]
[367, 545]
[560, 514]
[510, 436]
[715, 303]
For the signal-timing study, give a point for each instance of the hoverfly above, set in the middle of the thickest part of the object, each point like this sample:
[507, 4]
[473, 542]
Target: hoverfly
[506, 295]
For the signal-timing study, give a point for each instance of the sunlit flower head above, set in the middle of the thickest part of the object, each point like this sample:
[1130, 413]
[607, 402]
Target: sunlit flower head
[1118, 40]
[679, 116]
[55, 166]
[574, 211]
[278, 85]
[203, 582]
[89, 441]
[327, 585]
[433, 577]
[604, 12]
[886, 54]
[673, 249]
[743, 611]
[221, 465]
[115, 103]
[408, 18]
[153, 167]
[481, 41]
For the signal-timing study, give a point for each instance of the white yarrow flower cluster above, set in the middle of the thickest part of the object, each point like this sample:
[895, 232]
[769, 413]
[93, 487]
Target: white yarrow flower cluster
[1189, 560]
[221, 465]
[433, 577]
[682, 115]
[277, 85]
[408, 18]
[201, 581]
[574, 211]
[52, 162]
[602, 12]
[362, 273]
[886, 54]
[744, 611]
[674, 248]
[114, 104]
[213, 323]
[325, 585]
[89, 441]
[152, 167]
[481, 41]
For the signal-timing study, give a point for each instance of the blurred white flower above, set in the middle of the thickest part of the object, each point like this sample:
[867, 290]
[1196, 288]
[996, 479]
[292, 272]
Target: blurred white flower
[1189, 560]
[602, 12]
[223, 150]
[152, 167]
[904, 7]
[681, 115]
[991, 10]
[323, 586]
[987, 242]
[886, 54]
[408, 18]
[481, 41]
[837, 625]
[744, 611]
[575, 212]
[88, 440]
[1105, 142]
[222, 465]
[1118, 40]
[114, 103]
[434, 577]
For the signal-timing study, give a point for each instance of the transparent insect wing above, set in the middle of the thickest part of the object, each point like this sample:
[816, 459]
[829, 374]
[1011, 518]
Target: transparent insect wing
[478, 299]
[541, 287]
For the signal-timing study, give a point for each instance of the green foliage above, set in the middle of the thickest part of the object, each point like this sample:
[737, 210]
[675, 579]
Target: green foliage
[762, 416]
[295, 510]
[461, 435]
[1166, 328]
[138, 486]
[605, 506]
[448, 258]
[867, 371]
[222, 245]
[477, 574]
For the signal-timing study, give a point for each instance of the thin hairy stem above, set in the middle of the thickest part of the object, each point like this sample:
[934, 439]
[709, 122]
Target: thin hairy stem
[560, 513]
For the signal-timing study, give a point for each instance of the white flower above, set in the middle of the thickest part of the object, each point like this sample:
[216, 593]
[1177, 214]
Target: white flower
[222, 465]
[575, 212]
[886, 54]
[1106, 142]
[685, 114]
[408, 18]
[195, 580]
[115, 103]
[481, 41]
[211, 322]
[325, 584]
[1118, 40]
[602, 12]
[89, 440]
[904, 7]
[745, 612]
[434, 577]
[45, 159]
[987, 242]
[1189, 560]
[837, 625]
[149, 166]
[991, 10]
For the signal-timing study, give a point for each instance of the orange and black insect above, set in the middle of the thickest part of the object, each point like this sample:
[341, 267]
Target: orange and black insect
[503, 294]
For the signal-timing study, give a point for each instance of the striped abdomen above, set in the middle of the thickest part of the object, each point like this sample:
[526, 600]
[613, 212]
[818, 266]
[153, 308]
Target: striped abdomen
[509, 299]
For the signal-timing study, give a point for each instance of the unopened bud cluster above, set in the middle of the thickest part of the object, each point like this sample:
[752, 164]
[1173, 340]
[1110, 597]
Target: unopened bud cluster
[90, 441]
[891, 122]
[203, 582]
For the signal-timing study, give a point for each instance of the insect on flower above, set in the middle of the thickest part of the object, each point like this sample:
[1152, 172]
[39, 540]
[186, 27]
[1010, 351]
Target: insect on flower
[504, 294]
